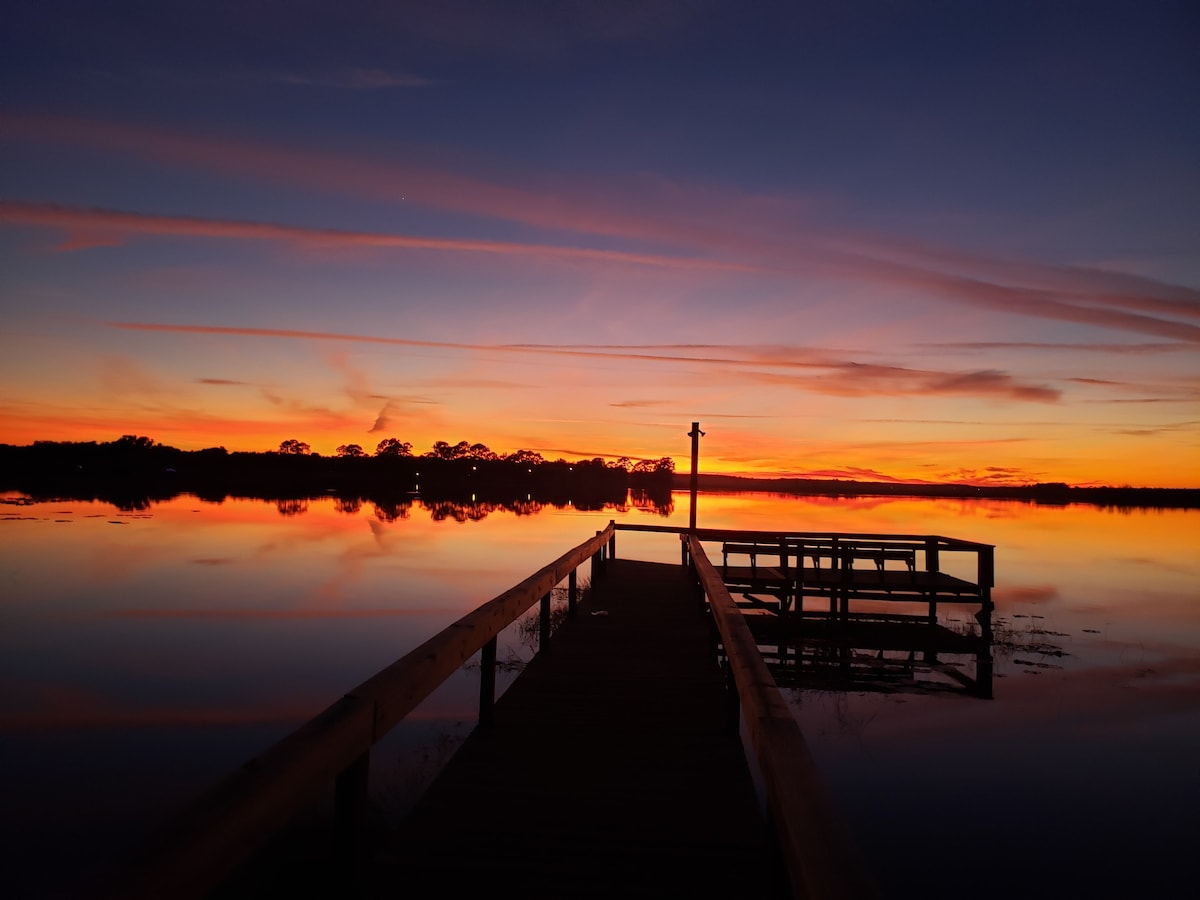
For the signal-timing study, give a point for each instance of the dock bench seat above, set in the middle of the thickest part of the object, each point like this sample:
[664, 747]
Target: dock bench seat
[848, 553]
[752, 550]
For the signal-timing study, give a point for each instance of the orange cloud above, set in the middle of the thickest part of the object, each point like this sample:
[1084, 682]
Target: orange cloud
[100, 221]
[838, 377]
[859, 380]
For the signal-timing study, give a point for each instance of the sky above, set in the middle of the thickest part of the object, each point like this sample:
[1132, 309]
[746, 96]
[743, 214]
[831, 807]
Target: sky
[902, 241]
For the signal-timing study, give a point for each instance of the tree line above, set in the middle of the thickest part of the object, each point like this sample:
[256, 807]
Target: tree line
[133, 470]
[445, 451]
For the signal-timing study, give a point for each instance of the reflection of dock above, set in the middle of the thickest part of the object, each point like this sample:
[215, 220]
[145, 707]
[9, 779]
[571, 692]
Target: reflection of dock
[609, 767]
[873, 653]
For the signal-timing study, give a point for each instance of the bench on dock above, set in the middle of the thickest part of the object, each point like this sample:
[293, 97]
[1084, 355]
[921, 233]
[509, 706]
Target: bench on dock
[844, 554]
[847, 553]
[752, 551]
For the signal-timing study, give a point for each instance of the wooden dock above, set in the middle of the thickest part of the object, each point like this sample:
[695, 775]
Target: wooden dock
[610, 769]
[613, 766]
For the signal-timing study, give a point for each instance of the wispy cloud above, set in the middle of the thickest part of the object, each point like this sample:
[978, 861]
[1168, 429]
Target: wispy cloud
[859, 380]
[1062, 347]
[399, 410]
[724, 229]
[830, 376]
[91, 221]
[848, 473]
[383, 421]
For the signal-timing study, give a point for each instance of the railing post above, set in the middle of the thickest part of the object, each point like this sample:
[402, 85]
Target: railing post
[987, 572]
[544, 623]
[597, 561]
[487, 683]
[573, 592]
[932, 562]
[785, 600]
[612, 545]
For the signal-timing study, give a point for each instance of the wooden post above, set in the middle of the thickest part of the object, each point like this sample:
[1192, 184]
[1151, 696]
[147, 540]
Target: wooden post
[932, 563]
[612, 545]
[597, 561]
[785, 601]
[983, 658]
[695, 434]
[987, 573]
[983, 653]
[487, 683]
[544, 623]
[572, 592]
[845, 566]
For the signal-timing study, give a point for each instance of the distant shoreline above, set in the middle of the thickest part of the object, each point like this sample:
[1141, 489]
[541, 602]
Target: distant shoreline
[135, 469]
[1054, 494]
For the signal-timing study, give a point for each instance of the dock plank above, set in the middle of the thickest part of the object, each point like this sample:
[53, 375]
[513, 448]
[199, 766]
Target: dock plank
[609, 771]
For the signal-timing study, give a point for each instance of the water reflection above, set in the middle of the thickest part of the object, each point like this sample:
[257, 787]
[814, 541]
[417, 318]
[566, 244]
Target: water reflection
[146, 658]
[458, 503]
[868, 654]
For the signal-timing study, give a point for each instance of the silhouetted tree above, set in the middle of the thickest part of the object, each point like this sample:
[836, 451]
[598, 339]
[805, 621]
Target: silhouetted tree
[525, 457]
[443, 450]
[393, 447]
[481, 451]
[294, 447]
[134, 442]
[351, 450]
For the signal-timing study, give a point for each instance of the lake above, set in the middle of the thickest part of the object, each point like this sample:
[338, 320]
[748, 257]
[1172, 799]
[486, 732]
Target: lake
[147, 653]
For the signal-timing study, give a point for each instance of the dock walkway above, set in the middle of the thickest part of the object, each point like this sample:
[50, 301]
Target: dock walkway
[610, 768]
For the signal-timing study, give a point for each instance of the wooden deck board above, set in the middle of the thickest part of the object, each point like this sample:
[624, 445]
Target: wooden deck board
[901, 584]
[609, 770]
[863, 582]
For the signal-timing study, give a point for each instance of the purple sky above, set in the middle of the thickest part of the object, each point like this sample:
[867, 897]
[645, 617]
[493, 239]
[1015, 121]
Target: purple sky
[923, 241]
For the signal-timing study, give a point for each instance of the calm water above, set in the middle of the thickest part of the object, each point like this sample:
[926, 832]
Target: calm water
[145, 654]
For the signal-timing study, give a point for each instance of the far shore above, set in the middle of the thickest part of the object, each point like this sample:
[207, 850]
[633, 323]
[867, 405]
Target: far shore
[1054, 494]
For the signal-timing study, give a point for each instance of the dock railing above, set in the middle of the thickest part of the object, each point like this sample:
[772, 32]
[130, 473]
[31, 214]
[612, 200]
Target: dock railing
[841, 546]
[818, 853]
[227, 825]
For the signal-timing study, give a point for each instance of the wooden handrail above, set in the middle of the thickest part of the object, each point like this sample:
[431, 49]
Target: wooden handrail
[734, 534]
[821, 859]
[237, 816]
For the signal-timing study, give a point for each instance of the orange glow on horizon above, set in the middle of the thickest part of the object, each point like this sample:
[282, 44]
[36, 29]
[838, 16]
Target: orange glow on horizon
[822, 461]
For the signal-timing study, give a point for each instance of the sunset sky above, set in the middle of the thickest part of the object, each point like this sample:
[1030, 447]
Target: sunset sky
[916, 241]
